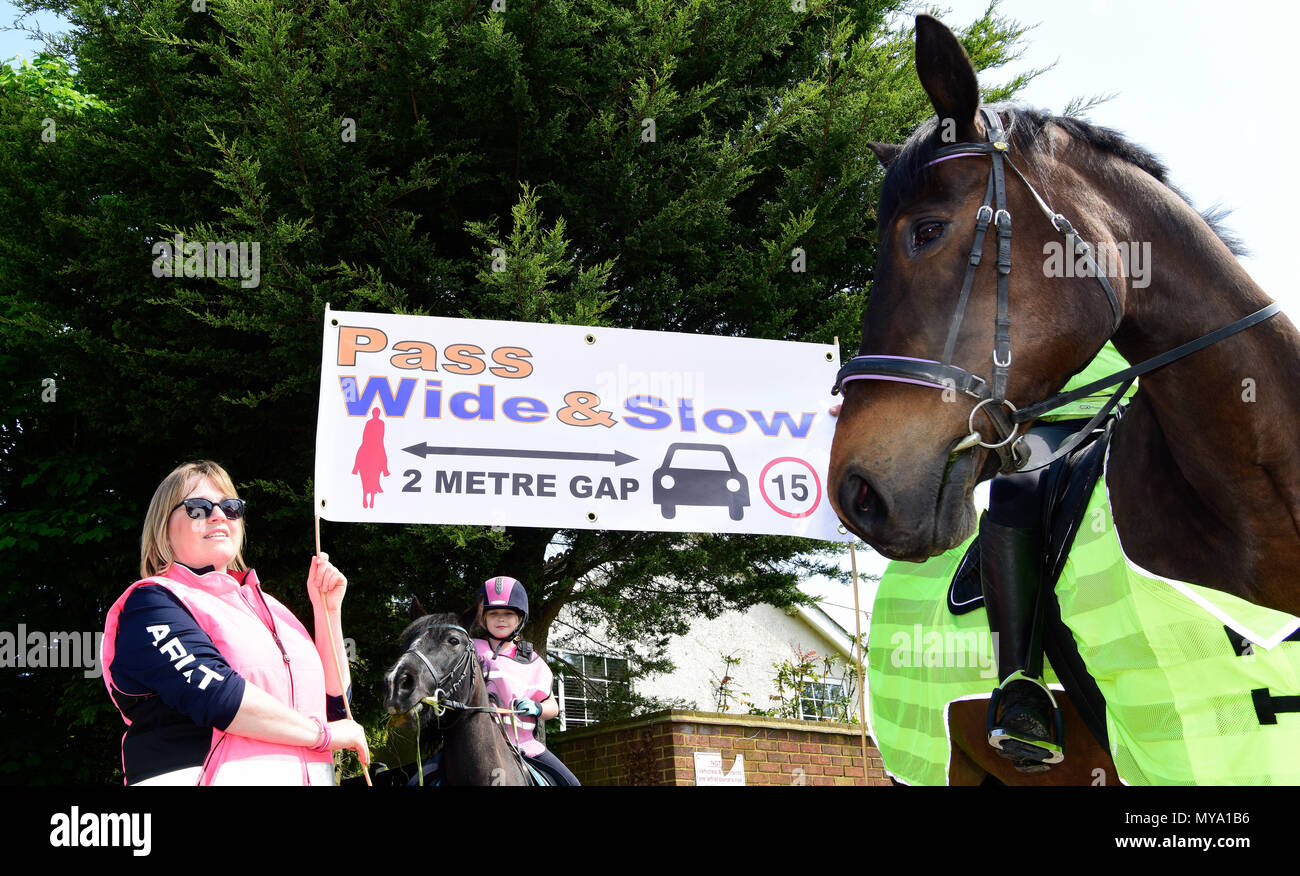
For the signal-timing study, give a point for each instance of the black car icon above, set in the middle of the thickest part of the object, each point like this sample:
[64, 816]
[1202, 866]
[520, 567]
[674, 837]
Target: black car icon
[700, 474]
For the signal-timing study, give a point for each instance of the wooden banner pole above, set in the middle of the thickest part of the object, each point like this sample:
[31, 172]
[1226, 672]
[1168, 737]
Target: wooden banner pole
[857, 650]
[338, 669]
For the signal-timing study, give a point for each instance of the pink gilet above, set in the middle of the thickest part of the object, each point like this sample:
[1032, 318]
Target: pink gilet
[508, 679]
[235, 617]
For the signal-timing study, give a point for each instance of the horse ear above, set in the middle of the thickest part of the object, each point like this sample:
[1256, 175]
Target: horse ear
[948, 78]
[417, 610]
[469, 616]
[886, 152]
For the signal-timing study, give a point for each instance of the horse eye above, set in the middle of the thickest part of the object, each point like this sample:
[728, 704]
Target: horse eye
[453, 640]
[925, 233]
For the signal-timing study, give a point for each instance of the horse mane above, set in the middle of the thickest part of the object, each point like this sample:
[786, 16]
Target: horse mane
[1027, 131]
[451, 618]
[413, 628]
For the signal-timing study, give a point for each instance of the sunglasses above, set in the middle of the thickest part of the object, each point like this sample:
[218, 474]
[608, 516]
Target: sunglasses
[201, 509]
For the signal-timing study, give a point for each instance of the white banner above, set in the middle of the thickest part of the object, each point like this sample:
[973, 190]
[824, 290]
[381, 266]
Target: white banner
[430, 420]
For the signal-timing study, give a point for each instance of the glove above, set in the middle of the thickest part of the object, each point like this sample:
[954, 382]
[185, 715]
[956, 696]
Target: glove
[525, 706]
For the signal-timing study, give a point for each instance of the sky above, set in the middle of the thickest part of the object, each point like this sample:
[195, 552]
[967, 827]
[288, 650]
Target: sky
[1194, 82]
[13, 43]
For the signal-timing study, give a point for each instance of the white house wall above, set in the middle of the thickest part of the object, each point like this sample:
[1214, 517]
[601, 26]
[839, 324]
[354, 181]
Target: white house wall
[761, 637]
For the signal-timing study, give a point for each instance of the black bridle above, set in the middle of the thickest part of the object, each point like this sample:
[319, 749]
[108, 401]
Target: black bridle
[440, 696]
[947, 376]
[448, 698]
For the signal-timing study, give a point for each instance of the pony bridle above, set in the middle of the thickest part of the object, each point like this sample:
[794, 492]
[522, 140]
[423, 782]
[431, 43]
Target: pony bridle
[460, 670]
[949, 377]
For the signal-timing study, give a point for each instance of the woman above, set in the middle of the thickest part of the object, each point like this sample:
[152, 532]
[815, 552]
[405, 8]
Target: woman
[516, 676]
[217, 681]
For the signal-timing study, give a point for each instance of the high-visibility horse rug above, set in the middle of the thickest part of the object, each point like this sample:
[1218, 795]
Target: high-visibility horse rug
[1201, 687]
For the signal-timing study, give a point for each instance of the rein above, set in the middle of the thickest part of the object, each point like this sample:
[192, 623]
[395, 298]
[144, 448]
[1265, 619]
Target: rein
[946, 376]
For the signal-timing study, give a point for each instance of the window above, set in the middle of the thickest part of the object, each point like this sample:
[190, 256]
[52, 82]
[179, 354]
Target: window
[590, 688]
[827, 700]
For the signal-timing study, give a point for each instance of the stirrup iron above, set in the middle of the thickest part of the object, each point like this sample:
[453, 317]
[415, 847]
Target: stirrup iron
[1043, 753]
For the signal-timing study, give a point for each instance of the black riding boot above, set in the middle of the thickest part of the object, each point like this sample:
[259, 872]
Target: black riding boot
[1024, 723]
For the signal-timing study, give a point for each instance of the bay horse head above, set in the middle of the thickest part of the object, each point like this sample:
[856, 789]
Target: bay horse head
[953, 340]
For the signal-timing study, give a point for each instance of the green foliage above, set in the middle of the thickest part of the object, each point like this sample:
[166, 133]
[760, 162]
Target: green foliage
[49, 82]
[525, 269]
[724, 688]
[379, 153]
[795, 696]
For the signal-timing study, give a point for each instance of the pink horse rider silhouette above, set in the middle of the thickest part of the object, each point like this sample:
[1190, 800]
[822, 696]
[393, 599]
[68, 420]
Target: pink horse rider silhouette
[371, 460]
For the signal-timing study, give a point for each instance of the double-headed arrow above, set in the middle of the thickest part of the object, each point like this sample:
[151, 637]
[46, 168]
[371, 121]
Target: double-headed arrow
[423, 450]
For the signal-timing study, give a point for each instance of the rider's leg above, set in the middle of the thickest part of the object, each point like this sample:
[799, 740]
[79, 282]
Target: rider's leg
[1011, 560]
[1012, 548]
[554, 764]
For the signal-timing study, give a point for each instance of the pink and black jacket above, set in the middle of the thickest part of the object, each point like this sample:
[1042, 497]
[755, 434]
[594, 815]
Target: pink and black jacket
[177, 651]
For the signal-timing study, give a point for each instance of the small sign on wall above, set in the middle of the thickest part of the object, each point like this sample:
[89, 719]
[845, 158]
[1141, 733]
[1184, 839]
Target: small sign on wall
[708, 769]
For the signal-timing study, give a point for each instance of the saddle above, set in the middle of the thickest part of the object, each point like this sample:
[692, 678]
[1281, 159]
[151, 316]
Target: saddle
[539, 774]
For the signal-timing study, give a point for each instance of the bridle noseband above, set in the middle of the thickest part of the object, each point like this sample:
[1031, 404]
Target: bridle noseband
[949, 377]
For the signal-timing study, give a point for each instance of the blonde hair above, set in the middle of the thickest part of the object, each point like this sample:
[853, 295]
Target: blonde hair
[155, 545]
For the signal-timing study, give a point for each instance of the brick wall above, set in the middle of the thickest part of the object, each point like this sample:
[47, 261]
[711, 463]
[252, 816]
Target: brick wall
[658, 749]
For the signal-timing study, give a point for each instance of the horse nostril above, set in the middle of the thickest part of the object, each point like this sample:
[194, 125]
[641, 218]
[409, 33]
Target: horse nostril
[861, 505]
[863, 495]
